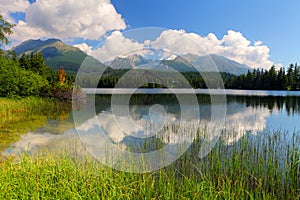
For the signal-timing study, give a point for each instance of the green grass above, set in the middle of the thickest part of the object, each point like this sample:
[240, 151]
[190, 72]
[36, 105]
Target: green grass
[262, 167]
[64, 178]
[266, 166]
[9, 107]
[20, 115]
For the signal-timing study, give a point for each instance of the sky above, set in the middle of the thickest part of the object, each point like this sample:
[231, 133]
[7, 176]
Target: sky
[258, 33]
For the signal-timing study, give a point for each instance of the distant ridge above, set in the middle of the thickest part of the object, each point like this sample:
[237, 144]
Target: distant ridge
[34, 45]
[213, 61]
[129, 62]
[185, 63]
[57, 53]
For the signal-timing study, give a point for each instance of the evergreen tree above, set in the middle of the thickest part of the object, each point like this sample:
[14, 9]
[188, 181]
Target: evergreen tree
[5, 31]
[290, 77]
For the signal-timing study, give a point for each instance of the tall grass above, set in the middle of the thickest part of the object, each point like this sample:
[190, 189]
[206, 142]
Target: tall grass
[266, 166]
[20, 115]
[9, 107]
[64, 178]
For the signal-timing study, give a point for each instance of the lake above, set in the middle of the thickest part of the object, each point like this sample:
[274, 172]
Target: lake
[139, 122]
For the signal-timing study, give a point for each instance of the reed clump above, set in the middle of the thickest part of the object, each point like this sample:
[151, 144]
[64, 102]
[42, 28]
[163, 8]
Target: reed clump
[263, 166]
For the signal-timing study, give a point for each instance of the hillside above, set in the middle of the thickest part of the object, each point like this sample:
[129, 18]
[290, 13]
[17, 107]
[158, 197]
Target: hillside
[57, 53]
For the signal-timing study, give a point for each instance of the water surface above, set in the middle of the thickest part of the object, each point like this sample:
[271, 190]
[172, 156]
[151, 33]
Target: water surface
[247, 112]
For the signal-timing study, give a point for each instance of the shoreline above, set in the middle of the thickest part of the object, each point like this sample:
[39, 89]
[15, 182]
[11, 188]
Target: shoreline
[190, 91]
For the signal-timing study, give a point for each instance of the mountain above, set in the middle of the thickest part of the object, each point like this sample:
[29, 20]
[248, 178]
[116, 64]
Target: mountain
[129, 62]
[57, 54]
[211, 62]
[180, 64]
[185, 63]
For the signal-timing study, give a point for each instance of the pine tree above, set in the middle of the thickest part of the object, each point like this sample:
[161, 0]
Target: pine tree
[5, 31]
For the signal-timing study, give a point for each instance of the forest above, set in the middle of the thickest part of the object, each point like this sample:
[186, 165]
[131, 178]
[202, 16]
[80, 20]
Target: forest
[271, 79]
[257, 79]
[29, 76]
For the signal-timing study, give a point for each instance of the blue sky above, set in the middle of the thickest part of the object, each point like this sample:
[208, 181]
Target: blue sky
[275, 24]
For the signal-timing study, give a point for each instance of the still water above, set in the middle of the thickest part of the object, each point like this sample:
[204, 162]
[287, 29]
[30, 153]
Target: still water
[130, 126]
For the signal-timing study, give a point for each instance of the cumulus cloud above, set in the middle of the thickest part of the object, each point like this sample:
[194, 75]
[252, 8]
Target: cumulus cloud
[116, 45]
[233, 45]
[235, 39]
[84, 47]
[258, 43]
[181, 42]
[22, 31]
[238, 48]
[90, 19]
[11, 6]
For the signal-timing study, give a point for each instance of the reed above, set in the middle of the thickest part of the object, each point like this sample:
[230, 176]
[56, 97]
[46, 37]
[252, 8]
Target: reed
[265, 166]
[20, 115]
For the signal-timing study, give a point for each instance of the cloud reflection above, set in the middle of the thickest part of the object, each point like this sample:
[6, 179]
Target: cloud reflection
[239, 121]
[249, 120]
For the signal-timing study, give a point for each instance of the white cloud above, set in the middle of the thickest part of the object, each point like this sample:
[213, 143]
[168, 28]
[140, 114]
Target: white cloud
[238, 48]
[11, 6]
[233, 46]
[235, 40]
[84, 47]
[117, 45]
[258, 43]
[181, 42]
[247, 120]
[22, 31]
[90, 19]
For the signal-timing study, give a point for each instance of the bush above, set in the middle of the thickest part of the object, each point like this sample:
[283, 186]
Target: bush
[15, 80]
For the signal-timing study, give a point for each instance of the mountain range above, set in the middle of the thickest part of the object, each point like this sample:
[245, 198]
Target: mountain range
[57, 53]
[185, 63]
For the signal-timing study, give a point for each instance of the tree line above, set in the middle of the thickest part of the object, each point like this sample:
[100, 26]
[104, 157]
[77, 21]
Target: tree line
[29, 76]
[257, 79]
[272, 79]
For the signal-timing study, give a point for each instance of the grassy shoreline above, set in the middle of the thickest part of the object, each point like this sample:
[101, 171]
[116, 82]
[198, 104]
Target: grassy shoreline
[247, 170]
[64, 178]
[9, 106]
[266, 166]
[20, 115]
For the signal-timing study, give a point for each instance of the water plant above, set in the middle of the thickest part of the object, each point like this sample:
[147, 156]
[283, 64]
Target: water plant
[265, 166]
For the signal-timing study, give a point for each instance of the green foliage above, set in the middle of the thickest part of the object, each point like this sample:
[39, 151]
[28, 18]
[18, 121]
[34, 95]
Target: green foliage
[152, 79]
[271, 79]
[29, 76]
[58, 54]
[14, 80]
[258, 79]
[5, 30]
